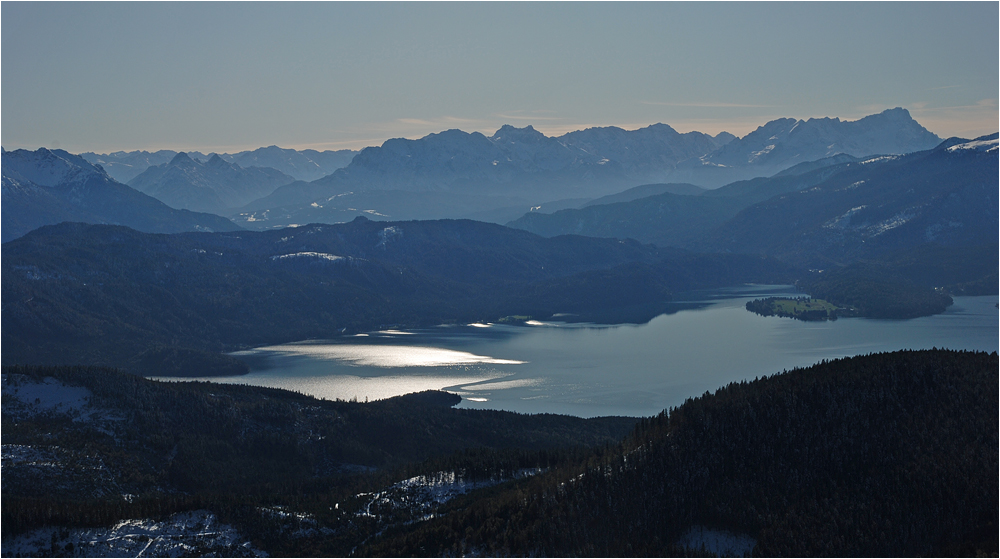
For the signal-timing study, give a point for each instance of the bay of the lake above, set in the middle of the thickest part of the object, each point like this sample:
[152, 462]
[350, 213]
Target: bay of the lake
[593, 370]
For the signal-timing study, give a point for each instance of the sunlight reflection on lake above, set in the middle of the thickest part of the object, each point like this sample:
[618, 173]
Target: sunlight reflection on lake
[380, 356]
[590, 370]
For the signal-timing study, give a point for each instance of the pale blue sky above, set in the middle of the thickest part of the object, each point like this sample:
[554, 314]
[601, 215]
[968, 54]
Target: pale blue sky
[230, 76]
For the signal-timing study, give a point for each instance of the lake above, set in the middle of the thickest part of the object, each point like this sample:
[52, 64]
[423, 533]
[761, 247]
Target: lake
[593, 370]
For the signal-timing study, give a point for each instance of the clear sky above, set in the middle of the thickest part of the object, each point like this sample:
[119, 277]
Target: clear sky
[229, 76]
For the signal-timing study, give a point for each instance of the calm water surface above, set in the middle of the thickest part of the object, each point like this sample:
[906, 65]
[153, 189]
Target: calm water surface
[593, 370]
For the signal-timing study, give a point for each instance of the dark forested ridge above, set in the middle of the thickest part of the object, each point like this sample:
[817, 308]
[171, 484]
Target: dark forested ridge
[880, 455]
[188, 442]
[76, 293]
[890, 454]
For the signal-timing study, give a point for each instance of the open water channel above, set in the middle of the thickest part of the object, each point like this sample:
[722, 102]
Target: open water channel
[593, 370]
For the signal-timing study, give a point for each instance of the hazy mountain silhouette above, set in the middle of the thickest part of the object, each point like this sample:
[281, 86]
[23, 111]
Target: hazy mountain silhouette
[785, 142]
[216, 186]
[306, 164]
[485, 174]
[44, 187]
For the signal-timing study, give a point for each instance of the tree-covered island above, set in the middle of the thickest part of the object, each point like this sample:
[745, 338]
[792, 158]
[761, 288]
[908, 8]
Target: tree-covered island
[858, 290]
[802, 308]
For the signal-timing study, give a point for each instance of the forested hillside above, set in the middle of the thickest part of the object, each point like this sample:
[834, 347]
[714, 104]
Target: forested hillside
[889, 454]
[106, 434]
[879, 455]
[169, 304]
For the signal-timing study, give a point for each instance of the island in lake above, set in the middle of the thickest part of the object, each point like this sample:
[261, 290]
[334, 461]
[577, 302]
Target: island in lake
[802, 308]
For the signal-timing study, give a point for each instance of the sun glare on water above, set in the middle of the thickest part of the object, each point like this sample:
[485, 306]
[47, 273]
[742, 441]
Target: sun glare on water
[387, 356]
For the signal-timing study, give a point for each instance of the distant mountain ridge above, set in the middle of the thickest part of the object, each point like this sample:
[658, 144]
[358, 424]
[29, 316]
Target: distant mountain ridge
[785, 142]
[590, 160]
[525, 166]
[305, 165]
[519, 160]
[216, 186]
[45, 187]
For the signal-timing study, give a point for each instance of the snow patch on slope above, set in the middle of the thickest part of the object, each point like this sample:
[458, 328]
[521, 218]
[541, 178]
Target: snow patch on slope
[893, 222]
[979, 145]
[843, 221]
[881, 158]
[314, 255]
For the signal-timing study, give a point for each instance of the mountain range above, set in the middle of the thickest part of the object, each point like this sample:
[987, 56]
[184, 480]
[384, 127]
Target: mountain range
[305, 165]
[497, 178]
[215, 186]
[458, 174]
[50, 186]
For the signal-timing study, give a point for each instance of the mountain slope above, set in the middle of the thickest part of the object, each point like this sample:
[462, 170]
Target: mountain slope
[646, 190]
[847, 210]
[46, 187]
[215, 186]
[679, 218]
[664, 219]
[947, 196]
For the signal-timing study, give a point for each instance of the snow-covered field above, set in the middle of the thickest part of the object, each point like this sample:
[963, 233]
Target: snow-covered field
[195, 533]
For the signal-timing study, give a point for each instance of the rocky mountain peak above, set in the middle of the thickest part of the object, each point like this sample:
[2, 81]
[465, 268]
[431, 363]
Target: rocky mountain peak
[182, 160]
[508, 133]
